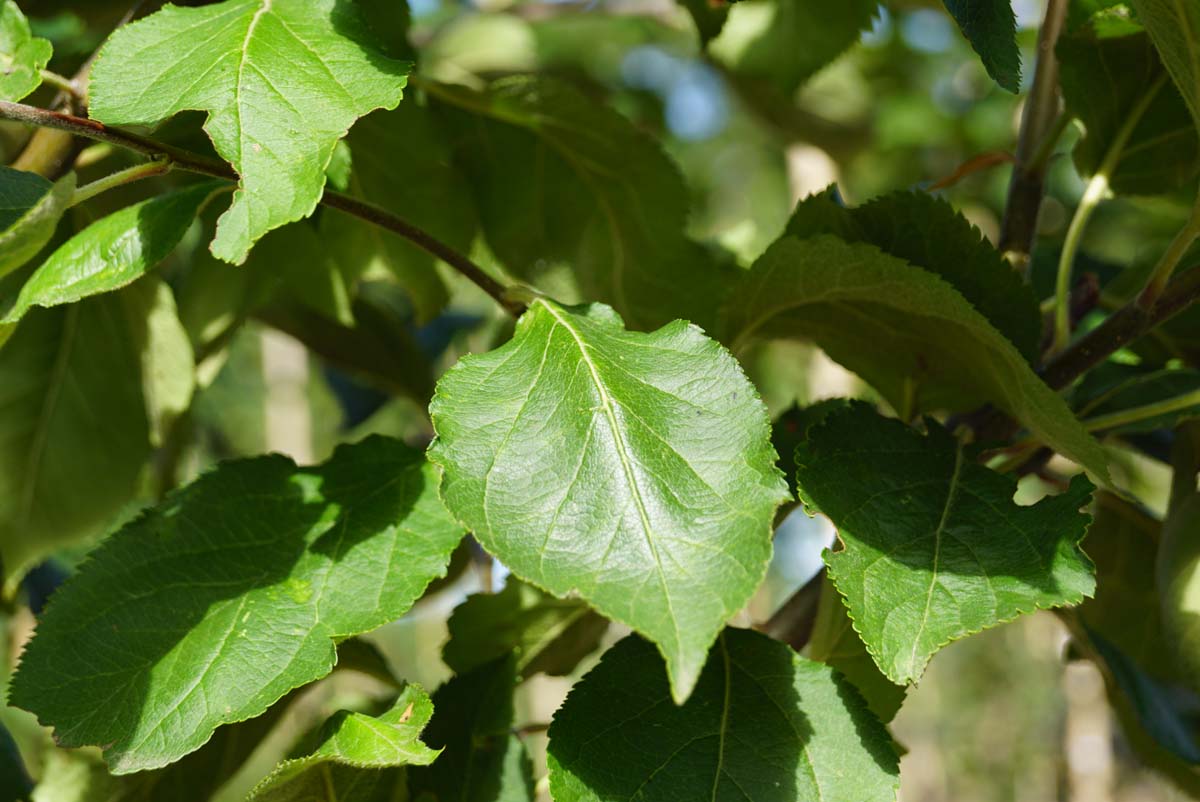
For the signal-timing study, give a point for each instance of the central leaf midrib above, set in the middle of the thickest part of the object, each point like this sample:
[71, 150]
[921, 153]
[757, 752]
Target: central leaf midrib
[622, 453]
[951, 492]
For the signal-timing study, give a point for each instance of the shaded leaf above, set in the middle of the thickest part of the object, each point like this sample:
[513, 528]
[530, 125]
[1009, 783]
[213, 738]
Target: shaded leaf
[904, 330]
[210, 607]
[354, 756]
[1174, 25]
[112, 252]
[1123, 543]
[402, 162]
[14, 781]
[1178, 572]
[64, 370]
[835, 643]
[546, 634]
[926, 231]
[481, 760]
[282, 81]
[30, 208]
[575, 199]
[991, 28]
[764, 725]
[633, 468]
[709, 16]
[933, 546]
[23, 56]
[1103, 80]
[786, 42]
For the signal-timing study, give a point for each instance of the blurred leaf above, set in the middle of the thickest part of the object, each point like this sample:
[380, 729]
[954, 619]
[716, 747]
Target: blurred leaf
[1178, 570]
[402, 163]
[633, 468]
[1123, 544]
[764, 724]
[991, 28]
[14, 782]
[22, 55]
[112, 252]
[933, 546]
[355, 756]
[561, 179]
[835, 643]
[294, 261]
[709, 16]
[1155, 705]
[260, 566]
[904, 330]
[1174, 25]
[786, 42]
[927, 232]
[1103, 79]
[481, 760]
[83, 385]
[546, 634]
[30, 208]
[315, 68]
[168, 364]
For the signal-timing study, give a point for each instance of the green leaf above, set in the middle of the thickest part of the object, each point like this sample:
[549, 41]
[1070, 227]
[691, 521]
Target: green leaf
[904, 330]
[1178, 573]
[30, 208]
[764, 725]
[294, 261]
[23, 56]
[14, 782]
[1123, 543]
[926, 231]
[1103, 80]
[933, 546]
[168, 362]
[282, 81]
[355, 753]
[633, 468]
[786, 42]
[991, 28]
[402, 163]
[547, 634]
[576, 200]
[112, 252]
[75, 419]
[262, 567]
[482, 760]
[835, 643]
[1174, 25]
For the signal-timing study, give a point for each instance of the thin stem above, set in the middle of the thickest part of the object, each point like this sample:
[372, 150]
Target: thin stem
[1145, 412]
[60, 82]
[1171, 259]
[1038, 118]
[1097, 190]
[195, 163]
[120, 178]
[1185, 463]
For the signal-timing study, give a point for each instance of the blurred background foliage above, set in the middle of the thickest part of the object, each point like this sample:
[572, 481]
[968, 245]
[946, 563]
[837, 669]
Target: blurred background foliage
[1001, 716]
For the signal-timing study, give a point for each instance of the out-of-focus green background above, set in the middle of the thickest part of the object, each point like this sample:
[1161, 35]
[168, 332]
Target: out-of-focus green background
[1000, 717]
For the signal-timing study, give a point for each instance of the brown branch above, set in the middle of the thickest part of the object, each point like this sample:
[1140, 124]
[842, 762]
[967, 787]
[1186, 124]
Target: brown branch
[1027, 185]
[196, 163]
[793, 622]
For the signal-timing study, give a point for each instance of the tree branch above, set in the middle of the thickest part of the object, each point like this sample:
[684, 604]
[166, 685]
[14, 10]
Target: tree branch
[1026, 187]
[181, 159]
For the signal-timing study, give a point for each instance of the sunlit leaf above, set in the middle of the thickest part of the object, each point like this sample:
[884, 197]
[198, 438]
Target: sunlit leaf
[633, 468]
[282, 81]
[213, 605]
